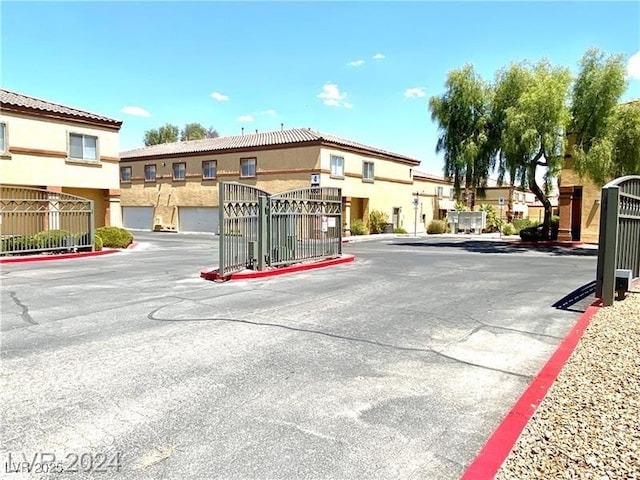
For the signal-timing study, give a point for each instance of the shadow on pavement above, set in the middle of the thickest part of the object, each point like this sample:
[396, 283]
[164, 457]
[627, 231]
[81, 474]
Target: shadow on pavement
[578, 300]
[480, 246]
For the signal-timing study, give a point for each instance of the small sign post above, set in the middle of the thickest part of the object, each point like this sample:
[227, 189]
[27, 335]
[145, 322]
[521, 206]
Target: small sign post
[501, 203]
[415, 215]
[315, 179]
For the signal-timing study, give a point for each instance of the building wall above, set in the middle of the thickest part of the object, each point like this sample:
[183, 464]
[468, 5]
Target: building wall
[37, 156]
[391, 188]
[590, 205]
[277, 170]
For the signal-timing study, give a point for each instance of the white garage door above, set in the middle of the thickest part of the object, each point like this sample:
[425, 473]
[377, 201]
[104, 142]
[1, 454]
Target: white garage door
[137, 218]
[198, 219]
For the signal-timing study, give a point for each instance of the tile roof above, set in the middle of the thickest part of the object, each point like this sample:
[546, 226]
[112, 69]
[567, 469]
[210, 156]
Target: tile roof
[256, 140]
[14, 99]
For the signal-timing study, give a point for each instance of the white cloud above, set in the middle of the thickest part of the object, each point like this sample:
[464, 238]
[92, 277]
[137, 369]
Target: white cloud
[378, 56]
[415, 92]
[271, 112]
[333, 97]
[356, 63]
[137, 111]
[246, 118]
[219, 97]
[633, 66]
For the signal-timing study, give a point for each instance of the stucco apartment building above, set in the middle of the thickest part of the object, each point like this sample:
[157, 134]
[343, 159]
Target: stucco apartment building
[61, 149]
[175, 185]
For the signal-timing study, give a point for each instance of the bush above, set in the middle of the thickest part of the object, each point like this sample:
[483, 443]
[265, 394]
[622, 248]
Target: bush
[508, 229]
[54, 239]
[436, 226]
[12, 244]
[399, 230]
[359, 228]
[97, 243]
[534, 234]
[114, 237]
[377, 221]
[494, 222]
[520, 223]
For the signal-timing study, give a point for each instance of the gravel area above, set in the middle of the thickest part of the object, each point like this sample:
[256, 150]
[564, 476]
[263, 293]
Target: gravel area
[588, 425]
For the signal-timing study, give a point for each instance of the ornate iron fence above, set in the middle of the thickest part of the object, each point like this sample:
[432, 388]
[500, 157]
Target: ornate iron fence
[305, 224]
[258, 230]
[619, 240]
[34, 220]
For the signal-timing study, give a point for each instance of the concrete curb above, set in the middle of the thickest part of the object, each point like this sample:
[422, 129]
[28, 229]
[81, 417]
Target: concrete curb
[251, 274]
[496, 450]
[65, 256]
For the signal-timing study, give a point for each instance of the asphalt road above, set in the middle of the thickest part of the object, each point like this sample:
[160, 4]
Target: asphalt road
[399, 365]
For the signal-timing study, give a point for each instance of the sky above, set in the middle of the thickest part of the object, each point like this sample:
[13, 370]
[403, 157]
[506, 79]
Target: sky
[360, 70]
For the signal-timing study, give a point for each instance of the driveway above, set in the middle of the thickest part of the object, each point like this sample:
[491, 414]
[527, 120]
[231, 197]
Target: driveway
[399, 365]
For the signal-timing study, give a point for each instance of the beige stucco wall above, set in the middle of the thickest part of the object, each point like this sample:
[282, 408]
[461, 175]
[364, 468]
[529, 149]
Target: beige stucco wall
[392, 186]
[42, 136]
[590, 221]
[277, 170]
[37, 156]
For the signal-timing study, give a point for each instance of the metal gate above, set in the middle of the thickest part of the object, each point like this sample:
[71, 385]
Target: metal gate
[619, 240]
[34, 220]
[258, 230]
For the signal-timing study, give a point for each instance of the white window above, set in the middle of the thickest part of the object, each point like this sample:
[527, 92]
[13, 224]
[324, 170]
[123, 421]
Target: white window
[440, 192]
[179, 171]
[337, 166]
[3, 137]
[247, 167]
[83, 147]
[125, 174]
[149, 173]
[367, 171]
[452, 193]
[209, 169]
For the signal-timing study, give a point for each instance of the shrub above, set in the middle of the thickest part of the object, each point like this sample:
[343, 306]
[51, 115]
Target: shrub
[377, 221]
[114, 237]
[520, 223]
[359, 228]
[54, 239]
[436, 226]
[508, 229]
[534, 234]
[97, 243]
[399, 230]
[460, 206]
[494, 222]
[12, 244]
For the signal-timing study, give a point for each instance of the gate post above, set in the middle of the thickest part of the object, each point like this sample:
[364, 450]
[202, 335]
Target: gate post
[221, 229]
[608, 245]
[91, 231]
[263, 230]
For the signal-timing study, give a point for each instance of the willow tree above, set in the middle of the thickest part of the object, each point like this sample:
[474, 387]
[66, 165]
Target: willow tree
[596, 116]
[462, 114]
[535, 127]
[510, 84]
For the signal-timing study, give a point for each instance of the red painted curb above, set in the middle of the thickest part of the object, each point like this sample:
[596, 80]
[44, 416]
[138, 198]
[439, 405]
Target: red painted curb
[250, 274]
[62, 256]
[549, 243]
[495, 451]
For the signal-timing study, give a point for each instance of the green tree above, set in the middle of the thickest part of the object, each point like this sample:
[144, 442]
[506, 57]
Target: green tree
[535, 127]
[510, 83]
[193, 131]
[462, 114]
[595, 128]
[165, 134]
